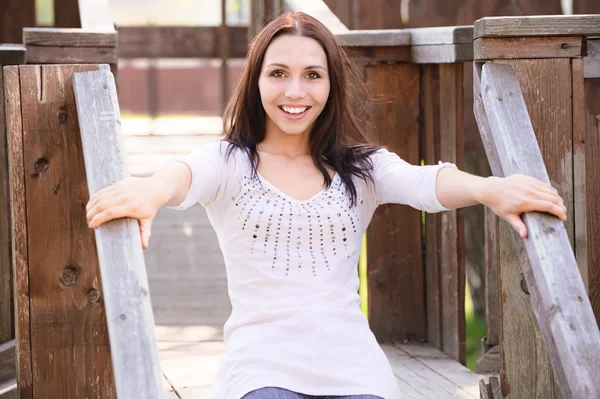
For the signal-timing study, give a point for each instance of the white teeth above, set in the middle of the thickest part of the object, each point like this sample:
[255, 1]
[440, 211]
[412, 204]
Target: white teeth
[290, 110]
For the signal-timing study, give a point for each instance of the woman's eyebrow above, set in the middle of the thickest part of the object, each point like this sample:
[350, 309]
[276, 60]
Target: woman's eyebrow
[287, 67]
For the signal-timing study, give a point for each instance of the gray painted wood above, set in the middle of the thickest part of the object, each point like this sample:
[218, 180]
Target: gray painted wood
[591, 63]
[442, 54]
[370, 38]
[8, 361]
[545, 25]
[68, 37]
[319, 10]
[558, 296]
[125, 283]
[8, 390]
[442, 35]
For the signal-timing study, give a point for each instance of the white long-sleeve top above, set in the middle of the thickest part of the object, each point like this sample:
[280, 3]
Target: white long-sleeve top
[292, 278]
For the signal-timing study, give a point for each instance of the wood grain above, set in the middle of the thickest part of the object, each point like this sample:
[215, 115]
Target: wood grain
[14, 128]
[179, 42]
[71, 55]
[492, 316]
[442, 54]
[124, 279]
[396, 299]
[53, 37]
[560, 303]
[8, 362]
[9, 55]
[528, 47]
[545, 25]
[67, 309]
[591, 63]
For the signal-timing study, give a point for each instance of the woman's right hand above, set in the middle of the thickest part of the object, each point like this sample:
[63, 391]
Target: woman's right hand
[133, 197]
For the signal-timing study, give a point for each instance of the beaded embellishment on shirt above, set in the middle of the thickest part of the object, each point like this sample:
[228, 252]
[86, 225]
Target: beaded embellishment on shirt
[294, 234]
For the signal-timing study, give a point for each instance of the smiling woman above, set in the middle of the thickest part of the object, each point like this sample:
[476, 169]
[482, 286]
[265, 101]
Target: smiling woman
[290, 192]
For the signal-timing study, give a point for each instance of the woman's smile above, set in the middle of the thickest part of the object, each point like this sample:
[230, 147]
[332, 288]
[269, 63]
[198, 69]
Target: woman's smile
[294, 112]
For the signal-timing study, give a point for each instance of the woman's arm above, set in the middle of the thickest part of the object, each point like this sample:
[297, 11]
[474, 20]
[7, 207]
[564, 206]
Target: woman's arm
[508, 197]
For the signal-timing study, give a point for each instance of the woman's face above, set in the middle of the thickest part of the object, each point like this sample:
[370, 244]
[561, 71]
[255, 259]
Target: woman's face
[294, 83]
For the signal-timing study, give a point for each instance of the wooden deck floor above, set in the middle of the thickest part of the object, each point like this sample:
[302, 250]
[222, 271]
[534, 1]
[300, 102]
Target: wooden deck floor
[189, 296]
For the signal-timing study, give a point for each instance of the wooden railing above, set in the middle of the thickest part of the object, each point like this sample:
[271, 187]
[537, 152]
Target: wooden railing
[551, 60]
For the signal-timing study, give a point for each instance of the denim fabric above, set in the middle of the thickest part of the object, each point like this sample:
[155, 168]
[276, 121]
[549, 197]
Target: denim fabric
[280, 393]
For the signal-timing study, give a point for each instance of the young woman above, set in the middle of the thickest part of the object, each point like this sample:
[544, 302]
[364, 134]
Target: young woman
[290, 192]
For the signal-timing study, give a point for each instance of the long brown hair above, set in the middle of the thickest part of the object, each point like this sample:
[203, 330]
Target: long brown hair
[337, 138]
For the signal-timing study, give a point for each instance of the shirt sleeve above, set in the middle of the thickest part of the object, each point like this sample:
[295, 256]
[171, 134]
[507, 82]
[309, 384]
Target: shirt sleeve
[398, 182]
[209, 174]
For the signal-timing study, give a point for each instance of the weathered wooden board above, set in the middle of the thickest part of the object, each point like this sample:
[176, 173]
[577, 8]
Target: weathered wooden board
[66, 37]
[591, 63]
[7, 361]
[374, 55]
[8, 390]
[592, 181]
[373, 38]
[14, 15]
[14, 129]
[545, 25]
[396, 300]
[67, 316]
[441, 35]
[9, 55]
[71, 55]
[525, 47]
[442, 54]
[319, 10]
[452, 268]
[179, 42]
[579, 187]
[66, 14]
[430, 97]
[558, 296]
[492, 317]
[123, 271]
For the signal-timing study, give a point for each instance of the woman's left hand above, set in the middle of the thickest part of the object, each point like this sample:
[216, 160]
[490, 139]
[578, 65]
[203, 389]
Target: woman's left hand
[513, 195]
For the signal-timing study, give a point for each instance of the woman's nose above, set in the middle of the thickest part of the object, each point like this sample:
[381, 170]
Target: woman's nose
[295, 89]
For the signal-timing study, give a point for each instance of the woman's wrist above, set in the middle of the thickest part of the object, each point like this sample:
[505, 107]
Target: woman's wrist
[484, 191]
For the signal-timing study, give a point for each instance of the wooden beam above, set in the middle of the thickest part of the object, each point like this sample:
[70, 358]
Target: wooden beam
[124, 281]
[9, 55]
[528, 47]
[14, 16]
[71, 55]
[547, 25]
[559, 300]
[373, 38]
[319, 10]
[52, 37]
[591, 63]
[179, 42]
[441, 35]
[66, 14]
[442, 54]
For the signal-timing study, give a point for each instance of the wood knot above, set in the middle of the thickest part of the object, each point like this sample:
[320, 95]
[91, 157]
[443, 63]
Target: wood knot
[62, 117]
[564, 46]
[92, 296]
[524, 284]
[57, 188]
[68, 276]
[40, 166]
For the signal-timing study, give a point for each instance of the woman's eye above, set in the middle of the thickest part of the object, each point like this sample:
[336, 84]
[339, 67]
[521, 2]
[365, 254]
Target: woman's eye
[277, 74]
[313, 75]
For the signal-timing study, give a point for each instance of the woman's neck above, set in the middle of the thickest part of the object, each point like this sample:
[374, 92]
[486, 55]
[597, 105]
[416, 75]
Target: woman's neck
[291, 145]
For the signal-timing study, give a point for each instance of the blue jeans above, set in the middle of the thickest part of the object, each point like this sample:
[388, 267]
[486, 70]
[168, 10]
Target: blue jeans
[280, 393]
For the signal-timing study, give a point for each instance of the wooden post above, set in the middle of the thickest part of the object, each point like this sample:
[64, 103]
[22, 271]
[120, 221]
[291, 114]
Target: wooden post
[546, 54]
[558, 296]
[123, 272]
[60, 312]
[9, 55]
[14, 16]
[66, 14]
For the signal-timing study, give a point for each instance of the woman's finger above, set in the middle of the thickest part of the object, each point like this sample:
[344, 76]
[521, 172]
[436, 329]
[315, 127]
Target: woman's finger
[517, 224]
[546, 206]
[106, 192]
[103, 205]
[116, 212]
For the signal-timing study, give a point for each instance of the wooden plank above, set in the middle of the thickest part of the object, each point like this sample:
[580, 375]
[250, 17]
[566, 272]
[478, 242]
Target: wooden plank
[484, 390]
[374, 38]
[592, 182]
[53, 37]
[524, 47]
[591, 63]
[66, 14]
[8, 361]
[558, 296]
[396, 300]
[8, 390]
[431, 110]
[319, 10]
[460, 376]
[71, 55]
[492, 316]
[421, 378]
[373, 55]
[14, 128]
[123, 271]
[579, 189]
[179, 42]
[224, 53]
[545, 25]
[495, 388]
[441, 35]
[14, 15]
[67, 307]
[452, 272]
[95, 15]
[8, 55]
[442, 54]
